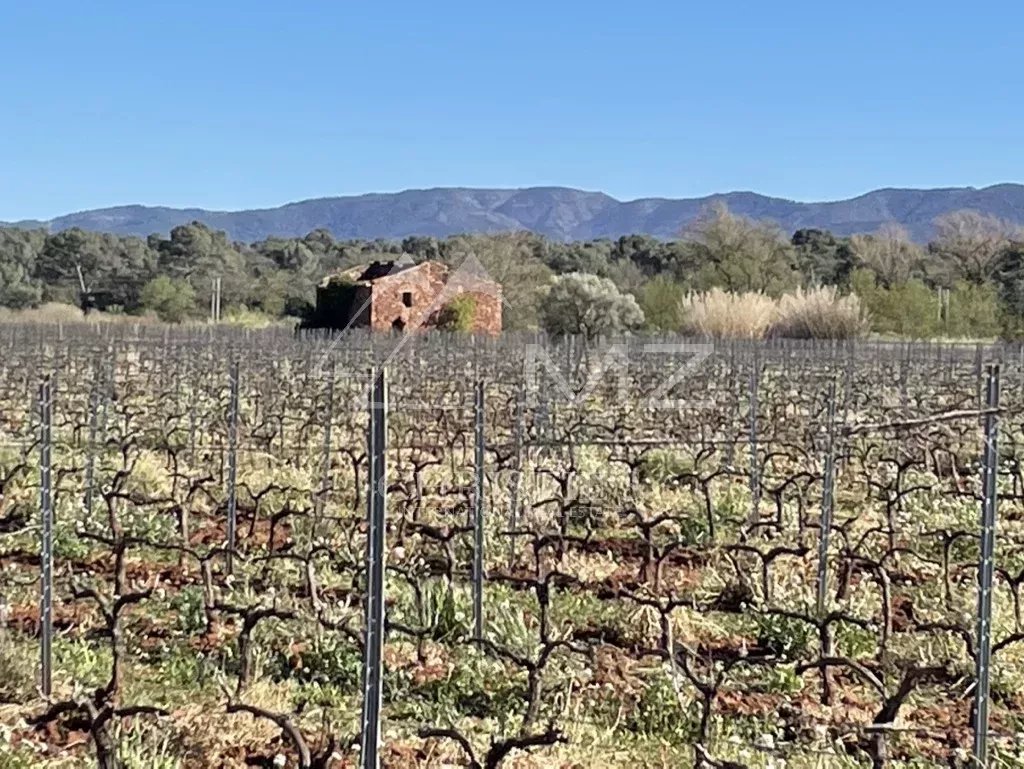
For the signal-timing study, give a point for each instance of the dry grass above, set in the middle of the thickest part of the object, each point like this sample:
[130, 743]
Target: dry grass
[817, 313]
[57, 312]
[820, 313]
[51, 312]
[722, 315]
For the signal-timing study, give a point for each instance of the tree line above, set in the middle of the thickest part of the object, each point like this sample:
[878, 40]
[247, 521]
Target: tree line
[968, 281]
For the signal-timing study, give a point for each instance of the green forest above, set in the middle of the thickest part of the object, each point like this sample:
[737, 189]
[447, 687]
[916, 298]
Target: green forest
[967, 282]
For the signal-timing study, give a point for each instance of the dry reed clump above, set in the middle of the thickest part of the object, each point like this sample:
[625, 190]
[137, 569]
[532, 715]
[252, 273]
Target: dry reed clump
[58, 312]
[69, 314]
[723, 315]
[48, 312]
[817, 313]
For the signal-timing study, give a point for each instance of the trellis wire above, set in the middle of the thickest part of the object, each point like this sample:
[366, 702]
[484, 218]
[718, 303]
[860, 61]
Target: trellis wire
[986, 568]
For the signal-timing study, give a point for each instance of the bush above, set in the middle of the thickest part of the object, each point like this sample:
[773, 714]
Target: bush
[589, 306]
[907, 309]
[20, 296]
[458, 314]
[661, 301]
[819, 313]
[787, 637]
[973, 311]
[172, 300]
[659, 713]
[659, 466]
[724, 315]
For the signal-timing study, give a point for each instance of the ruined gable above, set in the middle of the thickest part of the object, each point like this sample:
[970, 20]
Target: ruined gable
[399, 297]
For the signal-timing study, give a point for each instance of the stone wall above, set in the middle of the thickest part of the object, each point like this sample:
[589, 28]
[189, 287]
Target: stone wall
[413, 299]
[486, 312]
[404, 301]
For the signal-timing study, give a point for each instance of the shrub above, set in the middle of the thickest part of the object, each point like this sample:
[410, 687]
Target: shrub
[172, 300]
[724, 315]
[787, 637]
[589, 306]
[908, 309]
[819, 313]
[973, 311]
[458, 314]
[661, 302]
[659, 713]
[661, 465]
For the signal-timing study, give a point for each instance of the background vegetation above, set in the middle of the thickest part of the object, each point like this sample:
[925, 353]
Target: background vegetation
[967, 282]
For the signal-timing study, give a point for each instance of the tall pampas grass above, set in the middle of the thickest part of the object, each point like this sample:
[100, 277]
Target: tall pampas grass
[819, 313]
[719, 314]
[816, 313]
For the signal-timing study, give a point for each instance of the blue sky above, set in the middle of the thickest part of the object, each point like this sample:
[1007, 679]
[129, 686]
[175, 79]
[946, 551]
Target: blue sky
[246, 104]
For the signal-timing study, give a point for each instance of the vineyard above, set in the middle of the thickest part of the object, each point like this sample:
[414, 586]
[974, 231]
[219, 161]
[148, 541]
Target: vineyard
[228, 549]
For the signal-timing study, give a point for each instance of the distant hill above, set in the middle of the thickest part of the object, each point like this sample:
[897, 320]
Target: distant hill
[557, 212]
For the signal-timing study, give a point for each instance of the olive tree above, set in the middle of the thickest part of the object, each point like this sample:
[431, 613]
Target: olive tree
[588, 305]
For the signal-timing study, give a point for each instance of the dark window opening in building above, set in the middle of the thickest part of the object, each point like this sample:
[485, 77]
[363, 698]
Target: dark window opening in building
[407, 298]
[398, 324]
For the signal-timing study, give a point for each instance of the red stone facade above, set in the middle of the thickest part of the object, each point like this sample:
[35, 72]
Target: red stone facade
[390, 297]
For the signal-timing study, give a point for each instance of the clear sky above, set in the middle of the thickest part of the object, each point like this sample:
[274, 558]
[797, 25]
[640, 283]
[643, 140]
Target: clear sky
[233, 105]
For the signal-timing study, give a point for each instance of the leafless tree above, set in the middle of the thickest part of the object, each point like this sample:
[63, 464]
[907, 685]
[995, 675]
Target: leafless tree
[889, 253]
[970, 243]
[741, 254]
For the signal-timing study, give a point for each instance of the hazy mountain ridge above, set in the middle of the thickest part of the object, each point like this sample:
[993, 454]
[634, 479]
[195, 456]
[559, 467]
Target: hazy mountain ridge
[557, 212]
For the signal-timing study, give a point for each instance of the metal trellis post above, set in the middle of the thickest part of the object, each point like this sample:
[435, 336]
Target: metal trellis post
[46, 542]
[827, 499]
[517, 474]
[755, 479]
[986, 569]
[375, 556]
[904, 374]
[232, 468]
[478, 512]
[978, 380]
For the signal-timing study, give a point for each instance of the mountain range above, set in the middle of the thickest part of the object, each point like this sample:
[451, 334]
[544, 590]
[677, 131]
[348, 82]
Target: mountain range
[557, 212]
